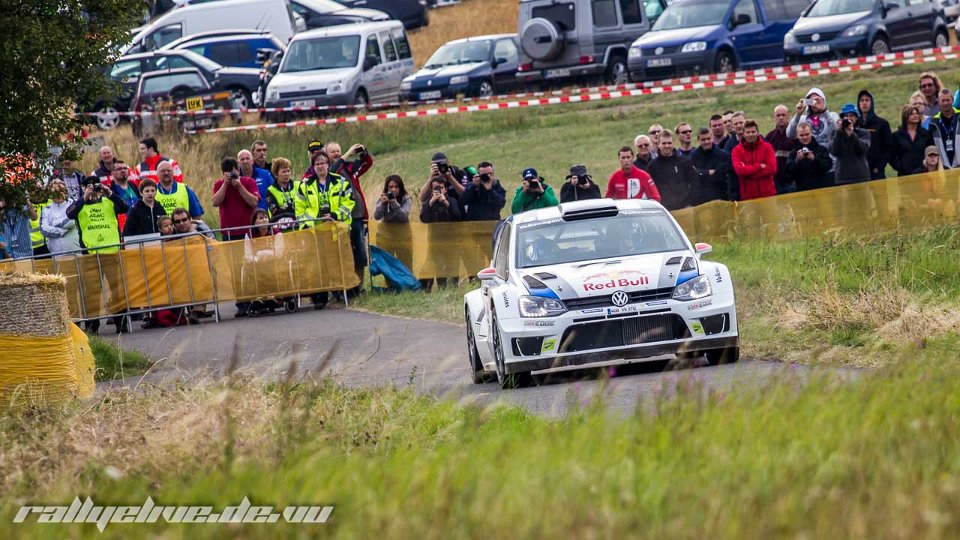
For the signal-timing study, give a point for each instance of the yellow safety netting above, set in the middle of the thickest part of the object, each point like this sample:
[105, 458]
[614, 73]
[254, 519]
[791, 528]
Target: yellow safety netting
[437, 250]
[37, 369]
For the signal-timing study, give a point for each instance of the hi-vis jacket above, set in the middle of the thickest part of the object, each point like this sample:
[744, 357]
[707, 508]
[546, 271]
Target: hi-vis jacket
[312, 196]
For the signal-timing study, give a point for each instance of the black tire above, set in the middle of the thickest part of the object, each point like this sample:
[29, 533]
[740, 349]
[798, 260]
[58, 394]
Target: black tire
[880, 45]
[727, 355]
[486, 89]
[291, 305]
[724, 63]
[361, 100]
[617, 71]
[512, 380]
[477, 373]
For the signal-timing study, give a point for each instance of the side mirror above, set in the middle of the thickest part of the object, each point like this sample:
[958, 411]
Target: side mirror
[702, 248]
[890, 6]
[369, 62]
[487, 274]
[741, 19]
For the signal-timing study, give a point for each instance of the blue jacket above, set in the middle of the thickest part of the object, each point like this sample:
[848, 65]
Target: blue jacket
[483, 204]
[264, 180]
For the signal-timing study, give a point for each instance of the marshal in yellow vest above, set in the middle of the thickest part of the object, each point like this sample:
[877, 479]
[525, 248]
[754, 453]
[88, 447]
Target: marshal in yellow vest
[98, 227]
[178, 199]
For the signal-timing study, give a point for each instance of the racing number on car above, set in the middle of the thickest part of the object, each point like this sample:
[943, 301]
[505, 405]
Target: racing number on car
[194, 104]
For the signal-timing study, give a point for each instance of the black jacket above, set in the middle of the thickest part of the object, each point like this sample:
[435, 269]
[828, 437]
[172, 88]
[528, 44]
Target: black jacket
[809, 174]
[439, 212]
[906, 154]
[881, 138]
[570, 193]
[483, 204]
[642, 165]
[141, 219]
[677, 181]
[719, 186]
[851, 153]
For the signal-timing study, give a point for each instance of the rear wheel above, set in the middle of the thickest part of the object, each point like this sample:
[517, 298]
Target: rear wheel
[478, 375]
[879, 46]
[616, 72]
[513, 380]
[724, 63]
[727, 355]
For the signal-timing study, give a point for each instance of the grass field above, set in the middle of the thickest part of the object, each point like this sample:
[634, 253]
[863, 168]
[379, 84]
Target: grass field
[469, 18]
[115, 363]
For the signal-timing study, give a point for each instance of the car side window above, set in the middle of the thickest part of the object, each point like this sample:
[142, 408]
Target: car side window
[227, 53]
[631, 11]
[373, 49]
[122, 71]
[403, 46]
[163, 36]
[502, 259]
[746, 7]
[774, 10]
[793, 8]
[199, 49]
[505, 49]
[389, 50]
[653, 9]
[604, 13]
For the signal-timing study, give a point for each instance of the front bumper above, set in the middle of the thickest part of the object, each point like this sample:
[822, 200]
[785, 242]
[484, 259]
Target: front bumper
[836, 49]
[318, 100]
[636, 331]
[561, 72]
[447, 91]
[664, 66]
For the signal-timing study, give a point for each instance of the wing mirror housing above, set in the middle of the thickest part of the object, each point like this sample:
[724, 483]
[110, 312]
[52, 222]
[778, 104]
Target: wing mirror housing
[487, 274]
[702, 248]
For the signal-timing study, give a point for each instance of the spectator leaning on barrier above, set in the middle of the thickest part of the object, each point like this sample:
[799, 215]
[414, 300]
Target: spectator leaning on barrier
[734, 137]
[15, 226]
[627, 182]
[782, 145]
[148, 168]
[674, 176]
[849, 148]
[282, 195]
[235, 196]
[579, 185]
[931, 161]
[943, 128]
[143, 215]
[717, 131]
[441, 206]
[171, 194]
[105, 165]
[909, 142]
[182, 224]
[929, 86]
[685, 136]
[644, 146]
[59, 230]
[484, 197]
[755, 163]
[533, 193]
[809, 161]
[712, 164]
[880, 135]
[394, 203]
[262, 177]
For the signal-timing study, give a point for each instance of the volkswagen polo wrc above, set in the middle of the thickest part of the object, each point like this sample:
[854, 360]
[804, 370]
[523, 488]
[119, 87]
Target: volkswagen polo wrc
[593, 282]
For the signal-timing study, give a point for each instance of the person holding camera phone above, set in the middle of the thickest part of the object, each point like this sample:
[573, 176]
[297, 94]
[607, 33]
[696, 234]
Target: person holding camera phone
[812, 109]
[484, 197]
[808, 161]
[850, 147]
[627, 182]
[533, 193]
[579, 185]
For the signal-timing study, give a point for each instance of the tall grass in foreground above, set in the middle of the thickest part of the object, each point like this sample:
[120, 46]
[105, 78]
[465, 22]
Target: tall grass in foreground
[812, 458]
[112, 362]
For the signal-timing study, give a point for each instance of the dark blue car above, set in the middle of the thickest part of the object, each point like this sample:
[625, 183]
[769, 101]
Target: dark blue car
[713, 36]
[476, 66]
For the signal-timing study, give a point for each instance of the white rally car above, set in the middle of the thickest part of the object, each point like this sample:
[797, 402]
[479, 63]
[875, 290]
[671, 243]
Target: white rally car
[596, 281]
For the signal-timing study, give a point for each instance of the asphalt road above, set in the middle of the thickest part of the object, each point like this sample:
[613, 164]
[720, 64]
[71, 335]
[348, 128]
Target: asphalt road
[363, 349]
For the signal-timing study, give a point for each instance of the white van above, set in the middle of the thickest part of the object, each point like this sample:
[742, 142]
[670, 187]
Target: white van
[350, 64]
[274, 16]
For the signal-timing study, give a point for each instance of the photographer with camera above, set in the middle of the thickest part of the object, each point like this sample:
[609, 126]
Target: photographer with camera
[808, 161]
[849, 148]
[441, 205]
[579, 185]
[629, 181]
[394, 203]
[484, 197]
[533, 193]
[352, 165]
[452, 176]
[236, 196]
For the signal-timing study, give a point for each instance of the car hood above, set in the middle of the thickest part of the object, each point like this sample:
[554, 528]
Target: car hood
[364, 13]
[832, 23]
[606, 276]
[446, 71]
[293, 81]
[669, 38]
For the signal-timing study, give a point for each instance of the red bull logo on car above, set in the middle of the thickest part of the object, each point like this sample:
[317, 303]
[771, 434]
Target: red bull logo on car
[615, 280]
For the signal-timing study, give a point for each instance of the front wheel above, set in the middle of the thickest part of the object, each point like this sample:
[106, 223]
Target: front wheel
[726, 355]
[486, 89]
[616, 72]
[477, 374]
[361, 100]
[724, 63]
[879, 46]
[941, 40]
[512, 380]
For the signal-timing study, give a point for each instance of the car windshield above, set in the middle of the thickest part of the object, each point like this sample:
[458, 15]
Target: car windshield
[825, 8]
[631, 232]
[692, 14]
[184, 59]
[460, 53]
[321, 53]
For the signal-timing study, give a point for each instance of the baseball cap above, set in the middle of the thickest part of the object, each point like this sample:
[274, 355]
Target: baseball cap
[91, 180]
[931, 150]
[314, 145]
[439, 156]
[471, 170]
[530, 174]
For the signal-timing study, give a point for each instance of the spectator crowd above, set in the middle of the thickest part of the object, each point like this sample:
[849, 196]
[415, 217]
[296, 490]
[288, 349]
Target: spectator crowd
[726, 158]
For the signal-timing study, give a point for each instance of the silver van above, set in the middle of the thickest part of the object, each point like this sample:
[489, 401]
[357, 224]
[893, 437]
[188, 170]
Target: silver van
[351, 64]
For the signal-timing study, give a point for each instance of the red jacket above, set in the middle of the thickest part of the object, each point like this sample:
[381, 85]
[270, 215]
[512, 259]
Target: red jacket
[755, 181]
[632, 186]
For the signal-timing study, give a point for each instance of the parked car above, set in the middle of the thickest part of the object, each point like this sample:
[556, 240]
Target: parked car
[706, 36]
[841, 28]
[230, 48]
[323, 13]
[274, 16]
[242, 81]
[413, 13]
[581, 38]
[593, 282]
[182, 89]
[340, 65]
[476, 66]
[951, 8]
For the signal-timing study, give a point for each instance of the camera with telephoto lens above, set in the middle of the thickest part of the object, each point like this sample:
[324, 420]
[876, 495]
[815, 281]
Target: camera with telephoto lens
[391, 196]
[442, 166]
[485, 178]
[535, 185]
[584, 180]
[97, 188]
[324, 210]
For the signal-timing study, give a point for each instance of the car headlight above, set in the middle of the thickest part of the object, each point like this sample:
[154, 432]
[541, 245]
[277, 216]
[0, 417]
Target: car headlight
[855, 30]
[335, 88]
[459, 79]
[635, 52]
[694, 46]
[405, 85]
[273, 95]
[537, 306]
[789, 40]
[698, 287]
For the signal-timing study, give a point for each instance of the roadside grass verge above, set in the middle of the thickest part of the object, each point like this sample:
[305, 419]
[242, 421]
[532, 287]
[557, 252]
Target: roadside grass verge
[810, 457]
[115, 363]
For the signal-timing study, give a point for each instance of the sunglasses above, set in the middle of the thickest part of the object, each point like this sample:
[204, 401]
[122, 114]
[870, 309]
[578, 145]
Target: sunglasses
[654, 132]
[927, 85]
[686, 132]
[645, 145]
[179, 221]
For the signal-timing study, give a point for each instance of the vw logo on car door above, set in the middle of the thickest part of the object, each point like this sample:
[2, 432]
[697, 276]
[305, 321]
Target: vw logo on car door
[620, 298]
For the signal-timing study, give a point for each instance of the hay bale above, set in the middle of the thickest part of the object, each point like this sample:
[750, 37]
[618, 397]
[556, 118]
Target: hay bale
[33, 305]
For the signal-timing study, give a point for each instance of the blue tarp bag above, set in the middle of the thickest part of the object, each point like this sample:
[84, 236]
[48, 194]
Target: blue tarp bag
[398, 276]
